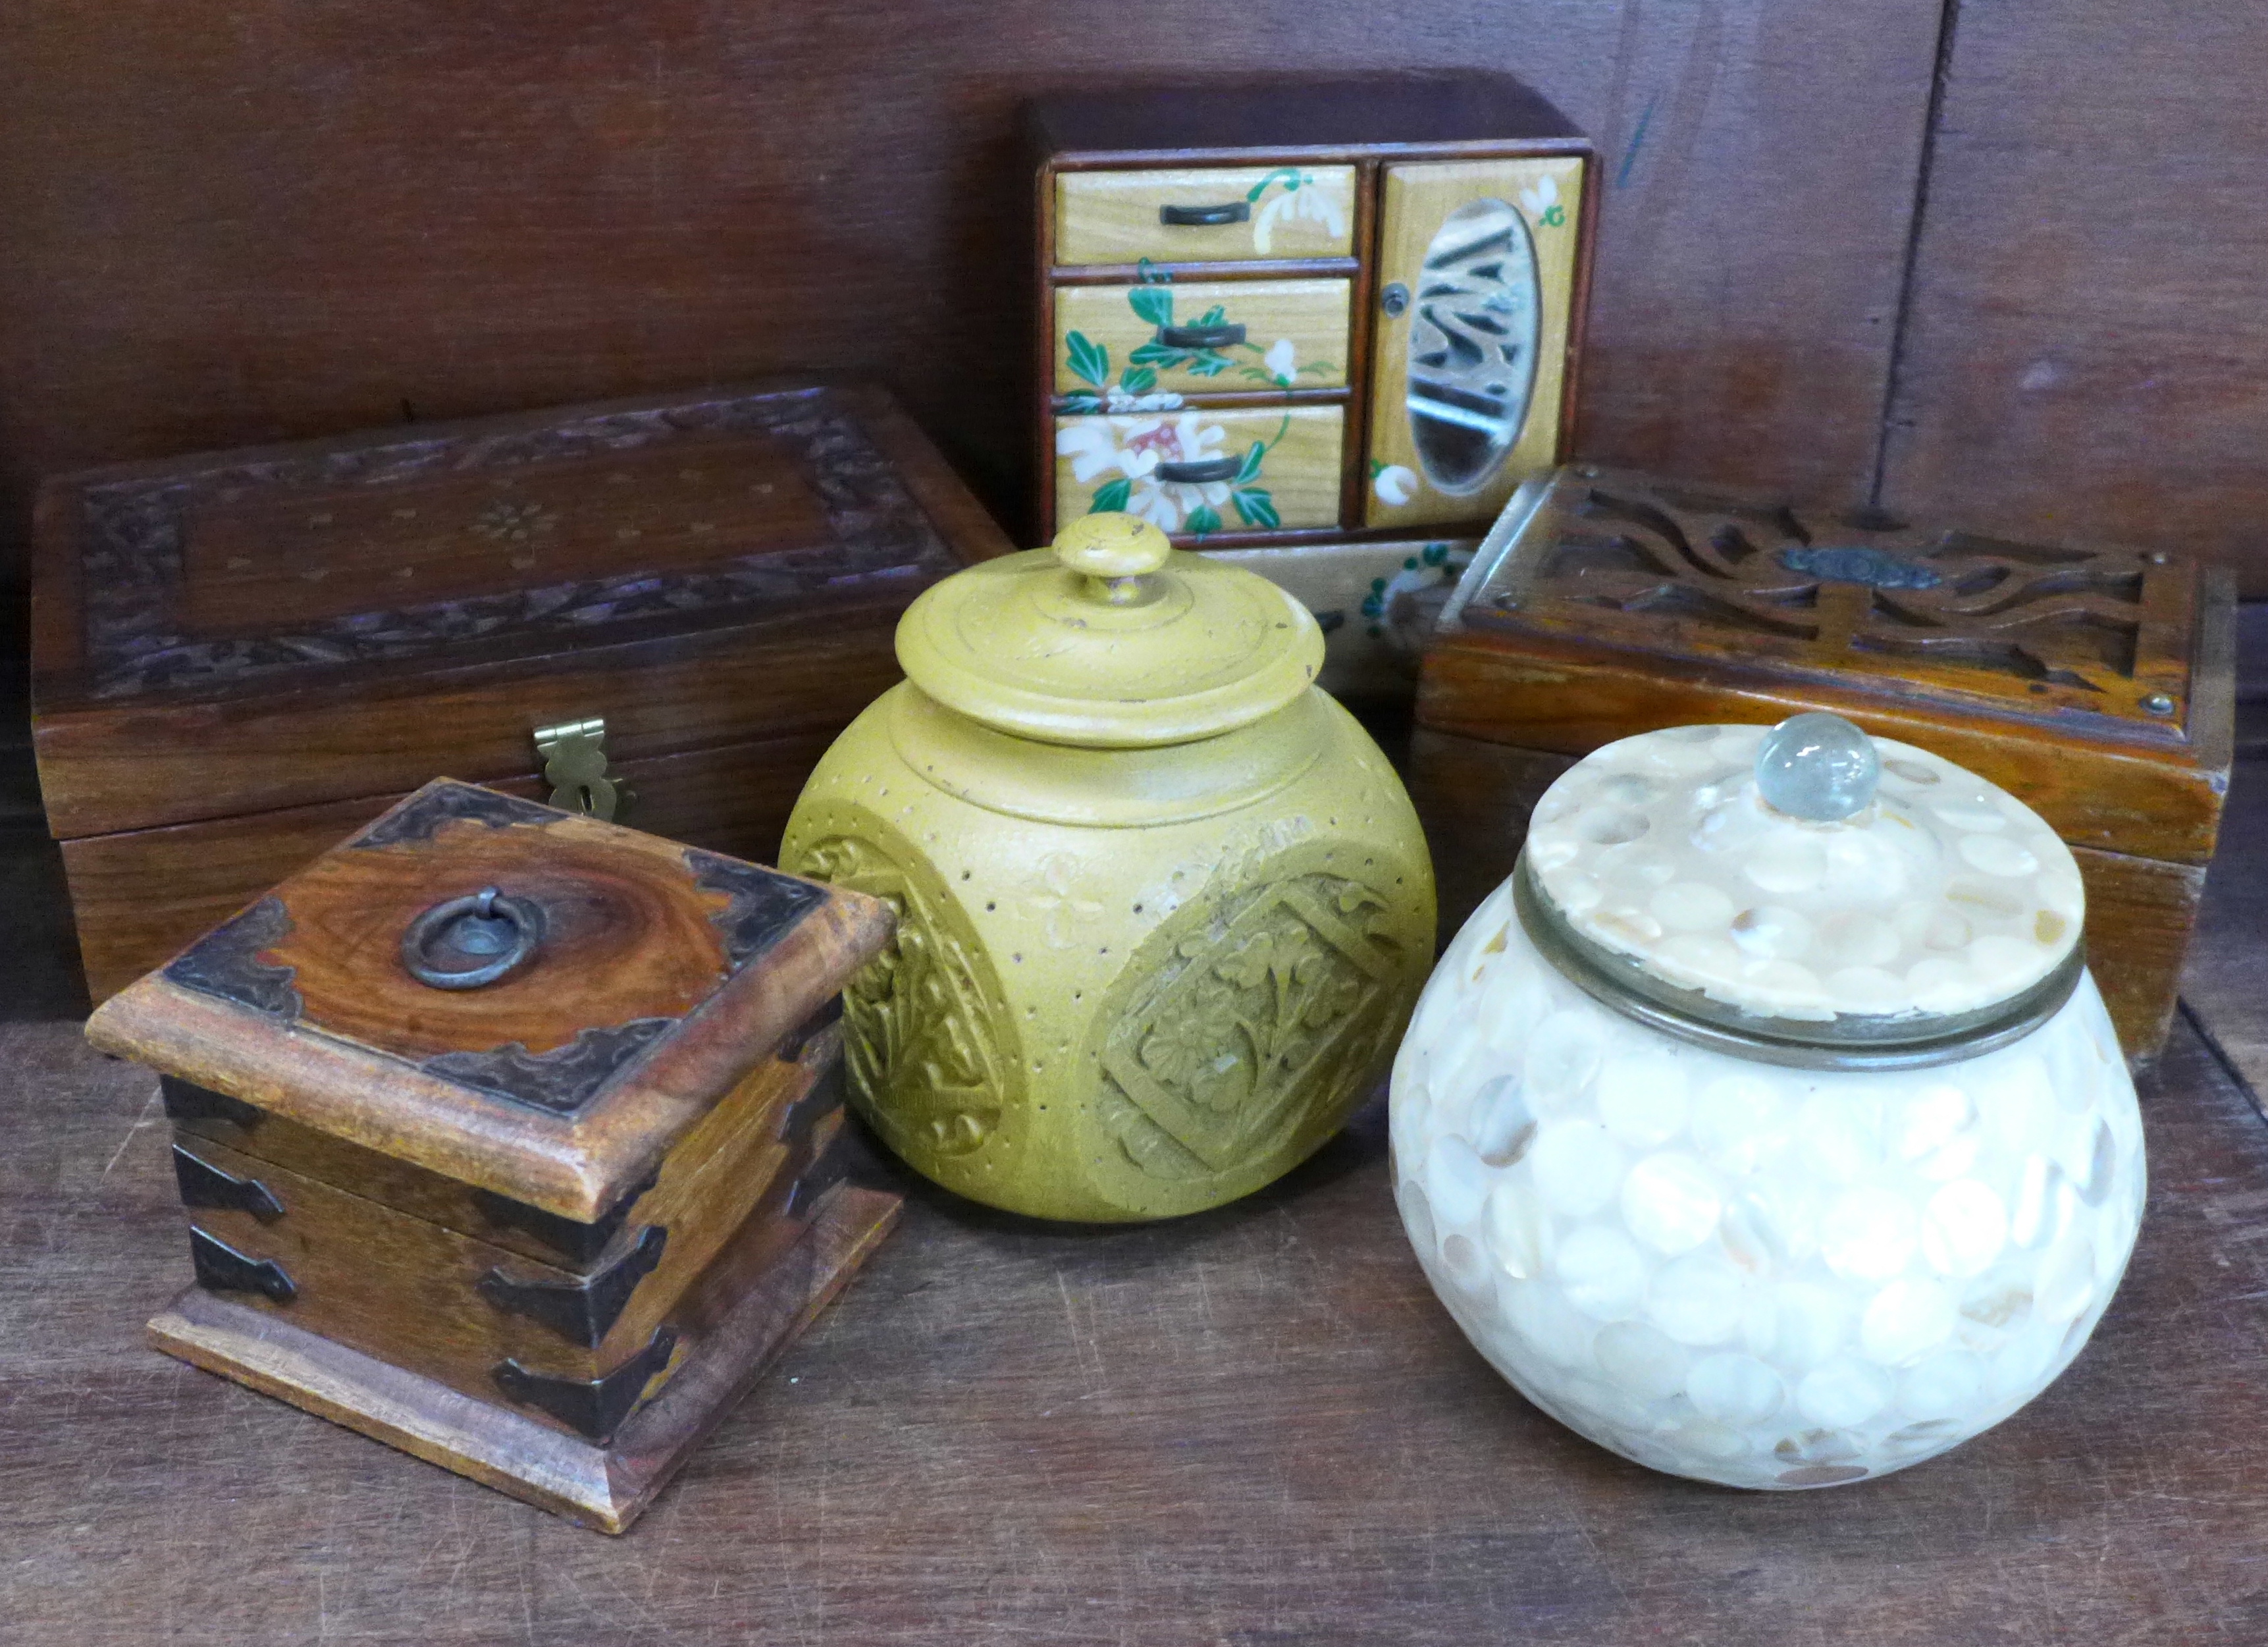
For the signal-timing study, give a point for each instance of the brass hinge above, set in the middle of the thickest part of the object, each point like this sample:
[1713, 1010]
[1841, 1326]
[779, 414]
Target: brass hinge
[574, 755]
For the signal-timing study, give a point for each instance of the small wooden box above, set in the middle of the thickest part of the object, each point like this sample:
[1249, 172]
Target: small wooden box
[2095, 684]
[1277, 315]
[240, 657]
[540, 1228]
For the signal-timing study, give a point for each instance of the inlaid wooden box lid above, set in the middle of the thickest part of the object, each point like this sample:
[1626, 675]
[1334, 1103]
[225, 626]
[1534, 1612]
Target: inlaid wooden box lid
[2093, 682]
[526, 1001]
[241, 632]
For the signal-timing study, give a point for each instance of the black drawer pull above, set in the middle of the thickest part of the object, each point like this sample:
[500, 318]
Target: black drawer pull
[205, 1184]
[1211, 469]
[221, 1268]
[1205, 217]
[1225, 336]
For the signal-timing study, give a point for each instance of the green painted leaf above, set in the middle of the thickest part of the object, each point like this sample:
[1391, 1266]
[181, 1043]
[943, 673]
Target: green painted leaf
[1153, 304]
[1088, 358]
[1154, 353]
[1214, 315]
[1319, 368]
[1137, 379]
[1111, 495]
[1258, 374]
[1204, 519]
[1254, 506]
[1079, 405]
[1252, 461]
[1209, 363]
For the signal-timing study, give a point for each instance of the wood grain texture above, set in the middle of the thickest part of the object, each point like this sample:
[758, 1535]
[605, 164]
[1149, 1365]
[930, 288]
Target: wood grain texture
[2222, 983]
[1417, 199]
[604, 1486]
[1118, 217]
[242, 631]
[2097, 684]
[265, 223]
[1300, 471]
[1310, 314]
[2086, 345]
[578, 1162]
[740, 1145]
[1003, 1421]
[139, 895]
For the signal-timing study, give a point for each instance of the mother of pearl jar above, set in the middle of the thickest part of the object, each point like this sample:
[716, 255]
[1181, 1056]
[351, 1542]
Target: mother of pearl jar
[1765, 1126]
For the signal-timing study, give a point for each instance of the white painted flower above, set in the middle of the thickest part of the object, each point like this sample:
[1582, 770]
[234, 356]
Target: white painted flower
[1168, 503]
[1539, 199]
[1117, 400]
[1306, 198]
[1283, 359]
[1094, 445]
[1135, 447]
[1394, 484]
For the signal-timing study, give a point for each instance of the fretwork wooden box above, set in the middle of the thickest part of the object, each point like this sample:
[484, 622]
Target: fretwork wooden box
[509, 1137]
[2095, 684]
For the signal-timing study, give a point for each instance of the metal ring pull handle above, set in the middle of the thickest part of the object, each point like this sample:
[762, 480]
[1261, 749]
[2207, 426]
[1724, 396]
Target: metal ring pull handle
[472, 941]
[1205, 217]
[1200, 474]
[1227, 334]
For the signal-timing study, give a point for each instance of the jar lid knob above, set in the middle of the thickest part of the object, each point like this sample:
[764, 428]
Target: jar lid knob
[1115, 551]
[1818, 766]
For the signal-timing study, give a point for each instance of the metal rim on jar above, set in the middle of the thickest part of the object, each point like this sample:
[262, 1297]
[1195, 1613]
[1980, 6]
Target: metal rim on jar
[1850, 1041]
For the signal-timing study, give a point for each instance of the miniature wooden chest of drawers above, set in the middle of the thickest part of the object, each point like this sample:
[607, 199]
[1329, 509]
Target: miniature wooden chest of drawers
[505, 1138]
[239, 658]
[1281, 315]
[2094, 683]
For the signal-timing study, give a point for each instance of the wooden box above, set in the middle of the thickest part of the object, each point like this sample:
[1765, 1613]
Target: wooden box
[505, 1138]
[239, 658]
[1277, 314]
[2095, 684]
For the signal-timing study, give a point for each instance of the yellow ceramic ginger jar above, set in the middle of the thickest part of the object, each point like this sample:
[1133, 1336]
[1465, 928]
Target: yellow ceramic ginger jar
[1163, 906]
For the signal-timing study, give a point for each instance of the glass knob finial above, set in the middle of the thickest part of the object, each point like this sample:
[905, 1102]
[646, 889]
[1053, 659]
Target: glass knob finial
[1817, 766]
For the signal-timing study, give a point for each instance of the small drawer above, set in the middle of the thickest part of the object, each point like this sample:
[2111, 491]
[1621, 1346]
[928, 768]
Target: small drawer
[1218, 215]
[1200, 335]
[1202, 470]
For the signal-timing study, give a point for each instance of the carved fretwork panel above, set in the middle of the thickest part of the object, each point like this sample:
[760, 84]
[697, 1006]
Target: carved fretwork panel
[1712, 578]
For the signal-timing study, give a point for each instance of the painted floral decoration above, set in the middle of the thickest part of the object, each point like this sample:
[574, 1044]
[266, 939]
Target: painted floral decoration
[1542, 202]
[1136, 446]
[1393, 484]
[1298, 197]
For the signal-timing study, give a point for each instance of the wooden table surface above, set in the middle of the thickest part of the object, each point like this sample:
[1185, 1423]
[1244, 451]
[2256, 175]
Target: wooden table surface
[1254, 1426]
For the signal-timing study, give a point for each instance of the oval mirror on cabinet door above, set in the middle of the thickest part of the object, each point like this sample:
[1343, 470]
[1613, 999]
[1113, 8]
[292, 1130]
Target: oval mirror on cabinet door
[1473, 345]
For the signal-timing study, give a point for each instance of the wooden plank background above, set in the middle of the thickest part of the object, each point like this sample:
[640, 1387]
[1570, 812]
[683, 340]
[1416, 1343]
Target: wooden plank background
[265, 218]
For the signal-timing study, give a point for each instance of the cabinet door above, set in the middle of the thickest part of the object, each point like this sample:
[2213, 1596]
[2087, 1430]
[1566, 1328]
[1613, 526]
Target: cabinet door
[1476, 280]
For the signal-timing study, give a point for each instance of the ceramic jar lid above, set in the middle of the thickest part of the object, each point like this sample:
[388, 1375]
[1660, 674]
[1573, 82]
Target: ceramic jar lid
[1110, 639]
[1806, 882]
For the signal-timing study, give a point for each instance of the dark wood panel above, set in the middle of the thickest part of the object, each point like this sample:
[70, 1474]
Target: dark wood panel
[264, 220]
[2087, 344]
[140, 895]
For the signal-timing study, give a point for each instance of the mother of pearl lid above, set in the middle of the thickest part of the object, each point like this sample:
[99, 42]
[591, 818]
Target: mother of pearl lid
[1806, 880]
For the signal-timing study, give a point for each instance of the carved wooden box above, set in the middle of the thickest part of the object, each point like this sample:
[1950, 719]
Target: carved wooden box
[240, 657]
[2095, 684]
[1286, 314]
[509, 1137]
